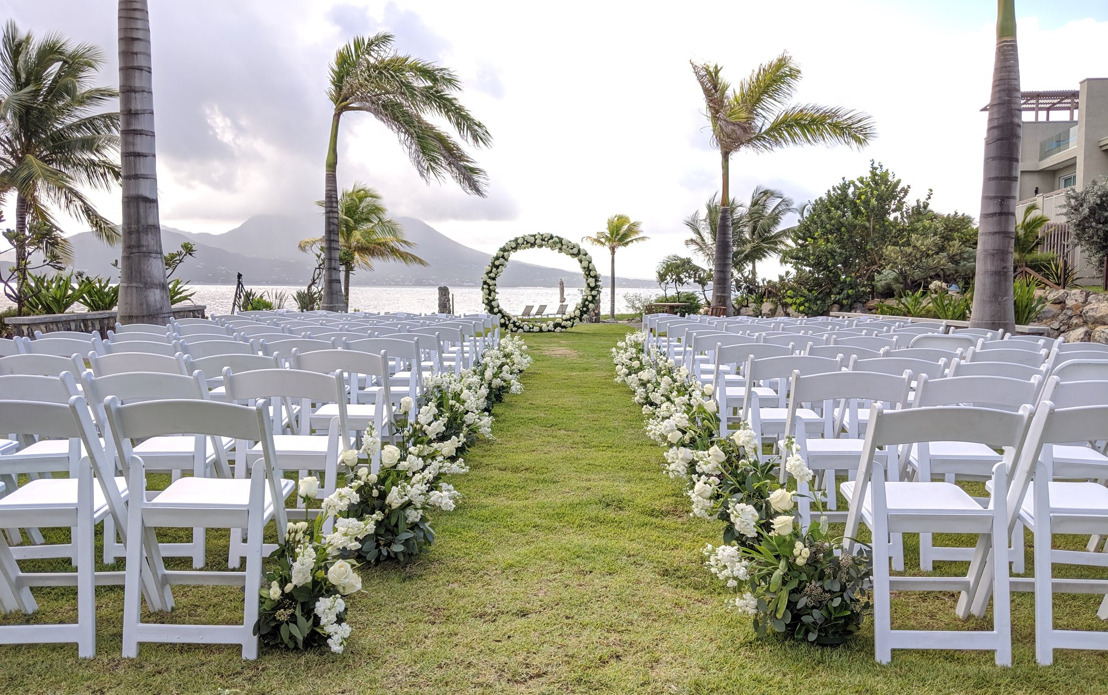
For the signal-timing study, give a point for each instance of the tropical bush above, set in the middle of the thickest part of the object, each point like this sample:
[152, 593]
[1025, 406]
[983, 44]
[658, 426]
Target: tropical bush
[1028, 303]
[54, 294]
[99, 294]
[690, 302]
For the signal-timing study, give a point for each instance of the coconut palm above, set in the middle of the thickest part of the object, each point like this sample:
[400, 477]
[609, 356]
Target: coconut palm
[52, 140]
[762, 235]
[143, 288]
[756, 116]
[620, 233]
[993, 301]
[703, 228]
[366, 234]
[1029, 240]
[401, 92]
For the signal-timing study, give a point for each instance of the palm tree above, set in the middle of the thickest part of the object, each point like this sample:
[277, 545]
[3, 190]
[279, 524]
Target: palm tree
[1028, 239]
[762, 234]
[366, 234]
[400, 91]
[52, 142]
[705, 228]
[756, 116]
[620, 233]
[993, 301]
[143, 288]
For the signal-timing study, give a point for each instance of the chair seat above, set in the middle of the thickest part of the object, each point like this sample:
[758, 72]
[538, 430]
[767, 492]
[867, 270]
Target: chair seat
[1073, 453]
[8, 445]
[199, 494]
[173, 445]
[358, 415]
[296, 445]
[926, 506]
[960, 450]
[57, 494]
[1070, 499]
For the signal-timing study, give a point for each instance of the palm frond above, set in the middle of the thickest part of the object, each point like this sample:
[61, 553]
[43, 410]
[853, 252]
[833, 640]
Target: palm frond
[811, 124]
[765, 91]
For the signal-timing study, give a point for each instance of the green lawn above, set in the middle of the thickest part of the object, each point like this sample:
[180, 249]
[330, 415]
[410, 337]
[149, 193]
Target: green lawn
[571, 566]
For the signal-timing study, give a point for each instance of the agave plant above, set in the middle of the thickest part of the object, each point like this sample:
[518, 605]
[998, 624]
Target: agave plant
[53, 295]
[1028, 305]
[99, 294]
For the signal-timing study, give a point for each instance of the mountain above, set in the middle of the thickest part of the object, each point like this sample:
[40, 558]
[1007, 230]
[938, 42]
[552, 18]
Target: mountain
[263, 249]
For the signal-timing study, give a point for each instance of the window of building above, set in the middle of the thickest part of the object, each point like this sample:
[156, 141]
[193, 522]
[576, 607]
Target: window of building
[1068, 181]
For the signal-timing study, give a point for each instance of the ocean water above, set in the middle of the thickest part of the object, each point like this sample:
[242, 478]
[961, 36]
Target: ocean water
[421, 300]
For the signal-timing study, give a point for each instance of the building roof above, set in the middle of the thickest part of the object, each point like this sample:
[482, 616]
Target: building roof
[1049, 101]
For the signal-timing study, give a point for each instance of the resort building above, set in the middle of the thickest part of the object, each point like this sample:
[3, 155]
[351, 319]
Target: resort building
[1064, 145]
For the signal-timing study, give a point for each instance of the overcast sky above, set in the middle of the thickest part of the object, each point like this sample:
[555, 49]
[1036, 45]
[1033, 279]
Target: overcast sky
[592, 106]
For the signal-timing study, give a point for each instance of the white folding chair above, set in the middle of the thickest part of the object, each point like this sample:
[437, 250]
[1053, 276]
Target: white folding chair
[196, 501]
[126, 362]
[767, 416]
[41, 365]
[889, 507]
[961, 460]
[77, 503]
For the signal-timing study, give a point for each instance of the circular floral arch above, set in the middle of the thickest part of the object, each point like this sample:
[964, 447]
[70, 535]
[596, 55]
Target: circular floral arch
[589, 302]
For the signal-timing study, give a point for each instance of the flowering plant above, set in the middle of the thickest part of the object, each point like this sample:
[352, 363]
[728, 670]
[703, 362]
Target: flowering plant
[800, 583]
[499, 262]
[397, 496]
[302, 603]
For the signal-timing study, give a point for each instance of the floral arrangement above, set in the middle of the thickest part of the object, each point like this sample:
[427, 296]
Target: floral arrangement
[794, 581]
[797, 582]
[589, 302]
[302, 604]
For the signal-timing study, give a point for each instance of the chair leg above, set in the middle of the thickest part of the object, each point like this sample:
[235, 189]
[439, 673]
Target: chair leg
[882, 618]
[1002, 605]
[1044, 589]
[20, 598]
[86, 583]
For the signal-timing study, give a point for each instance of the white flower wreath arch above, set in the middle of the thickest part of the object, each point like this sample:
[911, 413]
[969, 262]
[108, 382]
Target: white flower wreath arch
[589, 302]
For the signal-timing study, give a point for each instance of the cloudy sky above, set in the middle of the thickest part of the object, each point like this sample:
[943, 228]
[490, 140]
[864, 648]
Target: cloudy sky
[592, 105]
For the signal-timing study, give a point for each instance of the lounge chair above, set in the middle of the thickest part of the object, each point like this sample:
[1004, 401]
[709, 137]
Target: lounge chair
[541, 310]
[561, 309]
[527, 311]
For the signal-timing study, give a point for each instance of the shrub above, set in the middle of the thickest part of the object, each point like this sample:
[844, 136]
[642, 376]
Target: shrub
[99, 294]
[53, 294]
[1028, 304]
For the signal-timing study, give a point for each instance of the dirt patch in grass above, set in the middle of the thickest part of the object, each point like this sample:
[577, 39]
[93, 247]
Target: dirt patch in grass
[559, 352]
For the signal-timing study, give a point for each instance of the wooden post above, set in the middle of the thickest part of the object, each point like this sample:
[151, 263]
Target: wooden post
[444, 300]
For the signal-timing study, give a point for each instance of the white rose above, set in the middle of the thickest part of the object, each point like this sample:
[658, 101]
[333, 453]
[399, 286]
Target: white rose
[350, 457]
[405, 404]
[308, 486]
[344, 578]
[781, 500]
[674, 437]
[389, 455]
[274, 591]
[717, 455]
[710, 406]
[782, 525]
[709, 389]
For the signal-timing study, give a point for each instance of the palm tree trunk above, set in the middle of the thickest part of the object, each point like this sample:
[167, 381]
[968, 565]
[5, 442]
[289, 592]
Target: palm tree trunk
[721, 272]
[992, 299]
[332, 280]
[143, 290]
[20, 246]
[613, 309]
[346, 286]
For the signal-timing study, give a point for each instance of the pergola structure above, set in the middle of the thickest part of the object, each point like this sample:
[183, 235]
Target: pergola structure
[1048, 102]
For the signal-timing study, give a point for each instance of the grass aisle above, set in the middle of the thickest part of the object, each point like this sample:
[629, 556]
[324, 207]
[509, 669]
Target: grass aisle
[571, 566]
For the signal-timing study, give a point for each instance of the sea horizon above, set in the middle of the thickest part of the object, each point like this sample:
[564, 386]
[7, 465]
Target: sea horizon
[419, 299]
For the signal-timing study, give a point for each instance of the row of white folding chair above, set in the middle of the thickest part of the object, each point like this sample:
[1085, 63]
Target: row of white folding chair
[1051, 507]
[63, 347]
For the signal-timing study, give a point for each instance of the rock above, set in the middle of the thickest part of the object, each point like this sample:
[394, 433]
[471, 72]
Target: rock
[1096, 313]
[768, 308]
[746, 311]
[1056, 296]
[1100, 335]
[1049, 313]
[1077, 297]
[835, 307]
[793, 313]
[1077, 335]
[859, 308]
[780, 311]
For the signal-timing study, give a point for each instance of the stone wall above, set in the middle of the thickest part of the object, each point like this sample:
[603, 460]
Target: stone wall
[1076, 315]
[84, 321]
